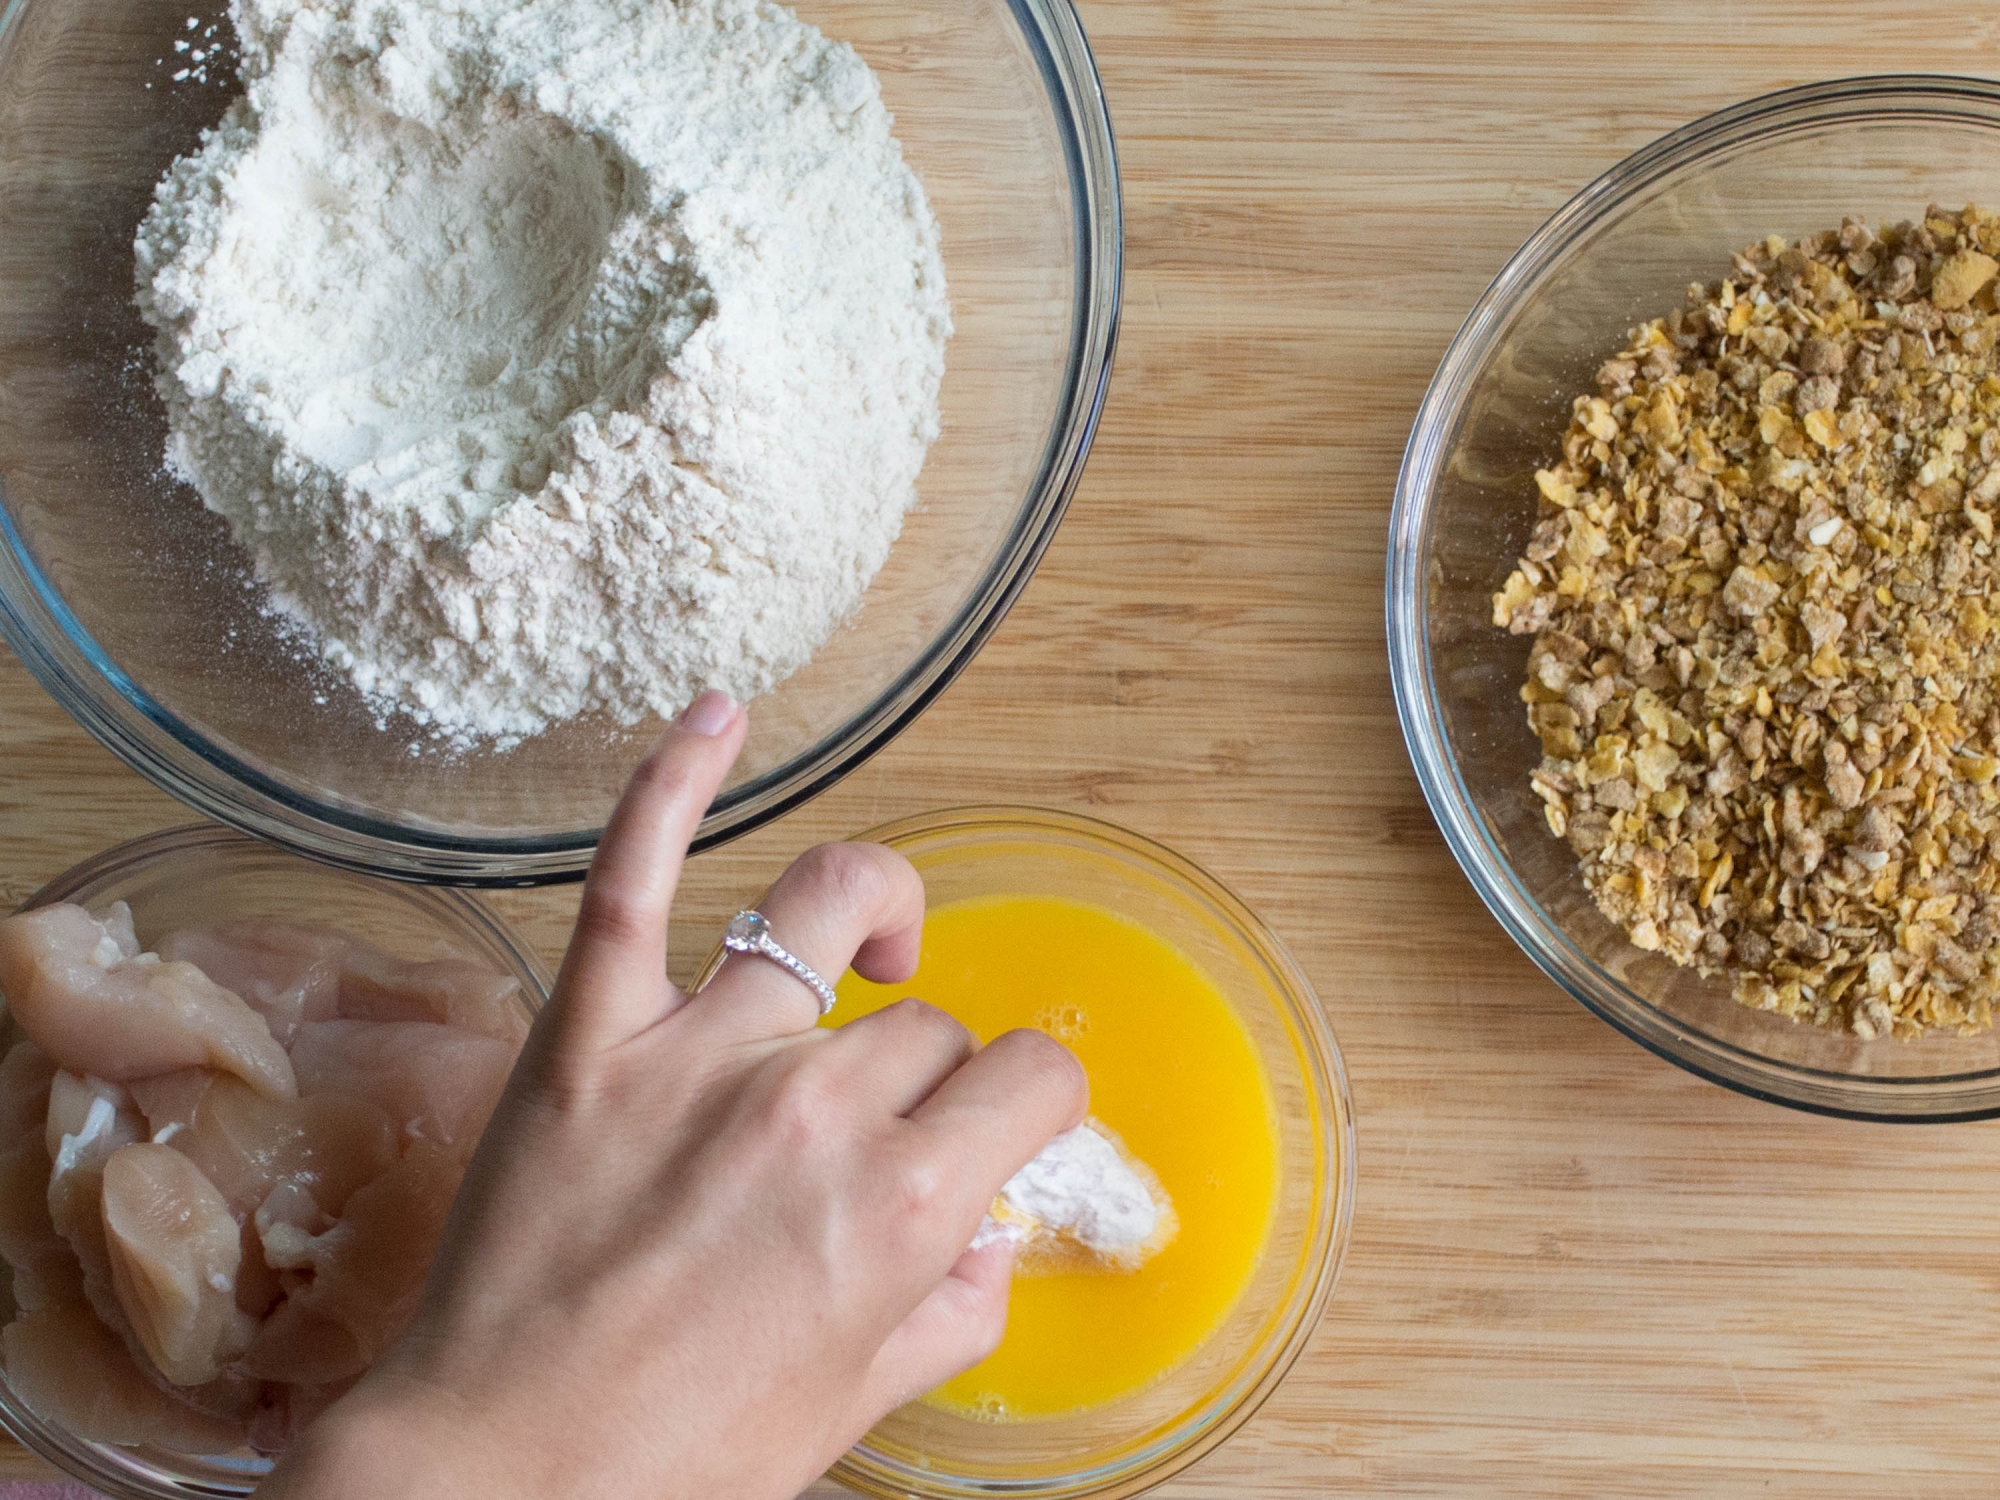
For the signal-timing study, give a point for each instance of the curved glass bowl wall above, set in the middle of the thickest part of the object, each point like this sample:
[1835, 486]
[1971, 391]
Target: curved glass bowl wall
[131, 604]
[1621, 252]
[198, 876]
[1139, 1440]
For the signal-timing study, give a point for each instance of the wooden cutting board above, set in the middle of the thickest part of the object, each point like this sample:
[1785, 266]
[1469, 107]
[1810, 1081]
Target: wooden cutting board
[1575, 1271]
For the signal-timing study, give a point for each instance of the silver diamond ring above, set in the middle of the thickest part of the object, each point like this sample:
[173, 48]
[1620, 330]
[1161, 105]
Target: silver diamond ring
[750, 932]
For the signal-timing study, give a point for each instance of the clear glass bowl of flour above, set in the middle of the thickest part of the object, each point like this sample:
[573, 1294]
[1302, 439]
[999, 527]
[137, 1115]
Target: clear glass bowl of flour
[130, 602]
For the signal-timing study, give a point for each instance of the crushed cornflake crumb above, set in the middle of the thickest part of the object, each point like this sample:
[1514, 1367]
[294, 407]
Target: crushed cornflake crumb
[1766, 674]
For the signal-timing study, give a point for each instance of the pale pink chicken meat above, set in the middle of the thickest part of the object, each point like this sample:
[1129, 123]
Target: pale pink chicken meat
[331, 1143]
[169, 1100]
[72, 1370]
[287, 1224]
[83, 1115]
[375, 986]
[25, 1073]
[285, 972]
[292, 973]
[212, 1237]
[438, 1083]
[43, 1264]
[94, 1009]
[258, 1288]
[45, 1267]
[89, 1120]
[175, 1248]
[367, 1272]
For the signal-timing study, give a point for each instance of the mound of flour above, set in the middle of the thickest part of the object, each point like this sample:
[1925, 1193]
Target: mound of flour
[550, 356]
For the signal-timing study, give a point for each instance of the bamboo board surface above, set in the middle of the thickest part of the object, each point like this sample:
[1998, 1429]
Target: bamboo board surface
[1575, 1271]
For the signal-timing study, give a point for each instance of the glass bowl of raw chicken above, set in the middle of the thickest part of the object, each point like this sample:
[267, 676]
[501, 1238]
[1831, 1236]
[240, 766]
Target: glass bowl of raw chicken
[237, 1095]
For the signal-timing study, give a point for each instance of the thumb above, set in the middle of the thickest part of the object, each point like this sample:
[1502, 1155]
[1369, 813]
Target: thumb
[956, 1326]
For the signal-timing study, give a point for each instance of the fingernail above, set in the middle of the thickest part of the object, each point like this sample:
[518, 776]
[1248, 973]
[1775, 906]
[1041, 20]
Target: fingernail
[709, 714]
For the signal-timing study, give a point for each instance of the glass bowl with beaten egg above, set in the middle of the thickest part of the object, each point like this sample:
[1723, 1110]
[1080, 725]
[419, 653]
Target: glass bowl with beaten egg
[1210, 1063]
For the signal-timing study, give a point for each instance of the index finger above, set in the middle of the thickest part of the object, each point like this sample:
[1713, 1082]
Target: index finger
[614, 976]
[1009, 1099]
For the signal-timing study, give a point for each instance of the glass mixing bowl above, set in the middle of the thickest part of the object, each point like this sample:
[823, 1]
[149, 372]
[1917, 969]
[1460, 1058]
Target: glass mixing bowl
[1621, 252]
[132, 605]
[197, 876]
[1135, 1442]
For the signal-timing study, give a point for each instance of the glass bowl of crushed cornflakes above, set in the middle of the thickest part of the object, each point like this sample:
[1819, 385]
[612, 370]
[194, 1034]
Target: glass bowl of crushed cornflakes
[1689, 605]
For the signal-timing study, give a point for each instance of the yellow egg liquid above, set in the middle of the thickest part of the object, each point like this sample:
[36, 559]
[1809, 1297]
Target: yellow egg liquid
[1174, 1074]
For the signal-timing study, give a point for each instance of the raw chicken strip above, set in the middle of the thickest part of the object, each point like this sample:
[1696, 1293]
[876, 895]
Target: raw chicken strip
[73, 1371]
[89, 1120]
[331, 1143]
[45, 1267]
[268, 1227]
[95, 1010]
[175, 1248]
[169, 1100]
[1081, 1188]
[376, 986]
[87, 1108]
[24, 1090]
[325, 1147]
[438, 1083]
[287, 973]
[288, 1223]
[368, 1271]
[292, 973]
[258, 1288]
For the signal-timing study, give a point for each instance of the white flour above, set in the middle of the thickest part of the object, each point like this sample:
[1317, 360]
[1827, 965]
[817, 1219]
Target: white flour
[1080, 1188]
[550, 356]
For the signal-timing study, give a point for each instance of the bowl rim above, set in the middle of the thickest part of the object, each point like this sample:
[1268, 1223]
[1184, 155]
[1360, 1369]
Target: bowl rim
[118, 1471]
[128, 721]
[1325, 1078]
[1922, 1100]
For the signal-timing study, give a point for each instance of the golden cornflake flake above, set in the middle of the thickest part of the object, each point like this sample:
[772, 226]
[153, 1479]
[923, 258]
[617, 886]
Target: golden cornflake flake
[1765, 674]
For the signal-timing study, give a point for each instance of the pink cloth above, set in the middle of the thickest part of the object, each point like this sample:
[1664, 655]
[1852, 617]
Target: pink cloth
[24, 1489]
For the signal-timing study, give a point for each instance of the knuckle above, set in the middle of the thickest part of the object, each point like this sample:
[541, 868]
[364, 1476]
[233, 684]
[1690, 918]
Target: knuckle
[615, 918]
[925, 1018]
[669, 775]
[806, 1107]
[1045, 1063]
[919, 1189]
[568, 1082]
[851, 873]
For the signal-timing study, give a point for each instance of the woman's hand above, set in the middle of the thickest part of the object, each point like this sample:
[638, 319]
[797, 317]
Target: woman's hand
[705, 1244]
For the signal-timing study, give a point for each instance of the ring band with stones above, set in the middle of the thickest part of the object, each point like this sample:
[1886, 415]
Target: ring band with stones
[750, 932]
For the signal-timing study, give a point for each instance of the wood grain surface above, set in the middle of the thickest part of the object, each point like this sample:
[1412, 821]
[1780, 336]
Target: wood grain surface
[1576, 1271]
